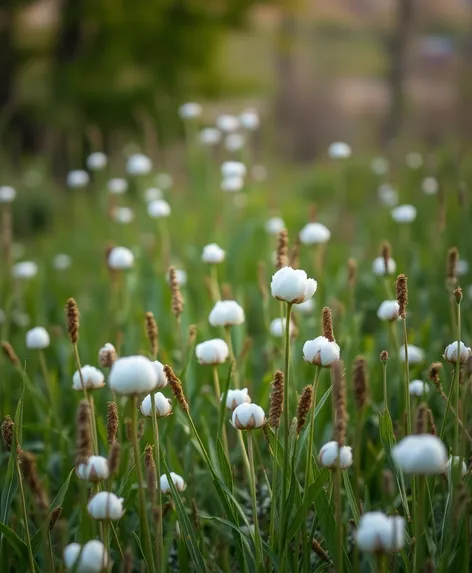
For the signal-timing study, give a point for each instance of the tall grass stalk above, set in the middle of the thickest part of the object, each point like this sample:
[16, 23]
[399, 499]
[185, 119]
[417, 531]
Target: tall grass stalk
[24, 511]
[157, 461]
[257, 532]
[232, 357]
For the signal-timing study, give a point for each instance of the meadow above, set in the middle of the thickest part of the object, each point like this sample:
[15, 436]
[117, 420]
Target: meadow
[299, 425]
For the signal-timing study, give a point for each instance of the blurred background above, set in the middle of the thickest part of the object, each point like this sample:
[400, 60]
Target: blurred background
[79, 75]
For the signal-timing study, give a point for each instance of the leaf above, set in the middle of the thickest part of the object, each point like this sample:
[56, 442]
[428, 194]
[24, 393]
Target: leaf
[351, 498]
[387, 436]
[18, 544]
[224, 464]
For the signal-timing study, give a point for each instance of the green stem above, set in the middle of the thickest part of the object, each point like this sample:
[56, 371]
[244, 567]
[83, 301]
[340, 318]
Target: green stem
[215, 288]
[106, 544]
[419, 526]
[338, 514]
[273, 504]
[216, 382]
[250, 453]
[456, 382]
[407, 379]
[385, 392]
[51, 554]
[157, 461]
[229, 342]
[31, 560]
[139, 474]
[92, 416]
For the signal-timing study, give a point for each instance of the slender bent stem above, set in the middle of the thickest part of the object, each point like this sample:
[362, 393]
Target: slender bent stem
[456, 382]
[385, 392]
[250, 453]
[407, 379]
[157, 461]
[51, 554]
[25, 514]
[44, 372]
[224, 437]
[139, 474]
[92, 413]
[273, 503]
[338, 514]
[229, 342]
[215, 287]
[419, 526]
[106, 544]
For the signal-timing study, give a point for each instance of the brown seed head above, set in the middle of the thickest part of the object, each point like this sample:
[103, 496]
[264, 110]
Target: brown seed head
[421, 419]
[295, 253]
[177, 299]
[432, 426]
[262, 281]
[339, 399]
[276, 399]
[304, 405]
[114, 458]
[351, 273]
[176, 387]
[360, 381]
[151, 475]
[327, 319]
[192, 335]
[73, 320]
[55, 516]
[8, 428]
[282, 250]
[107, 356]
[112, 422]
[140, 429]
[434, 376]
[10, 353]
[152, 333]
[452, 260]
[384, 356]
[458, 295]
[402, 295]
[386, 254]
[83, 433]
[30, 473]
[128, 431]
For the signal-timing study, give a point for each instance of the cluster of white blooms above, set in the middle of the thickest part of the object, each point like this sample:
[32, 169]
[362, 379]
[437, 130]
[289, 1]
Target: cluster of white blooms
[422, 454]
[331, 455]
[37, 338]
[212, 352]
[89, 377]
[380, 533]
[120, 258]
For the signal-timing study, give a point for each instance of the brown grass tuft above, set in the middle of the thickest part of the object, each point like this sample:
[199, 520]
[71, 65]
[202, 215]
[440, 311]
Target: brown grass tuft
[386, 254]
[112, 422]
[327, 319]
[73, 320]
[304, 405]
[8, 427]
[276, 399]
[451, 266]
[402, 295]
[151, 474]
[383, 356]
[322, 553]
[421, 419]
[152, 333]
[282, 250]
[176, 387]
[114, 458]
[360, 381]
[432, 426]
[83, 437]
[177, 299]
[351, 273]
[339, 399]
[10, 353]
[30, 473]
[54, 517]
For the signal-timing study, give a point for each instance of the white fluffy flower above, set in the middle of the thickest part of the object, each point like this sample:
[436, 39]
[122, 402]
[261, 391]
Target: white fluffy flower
[414, 160]
[105, 505]
[133, 375]
[339, 150]
[210, 136]
[214, 351]
[152, 194]
[227, 123]
[61, 262]
[123, 215]
[24, 270]
[138, 164]
[234, 142]
[429, 186]
[226, 313]
[190, 110]
[233, 169]
[378, 266]
[213, 254]
[418, 388]
[314, 234]
[96, 469]
[379, 165]
[249, 119]
[97, 161]
[120, 258]
[91, 558]
[162, 406]
[248, 416]
[92, 377]
[321, 351]
[330, 453]
[158, 209]
[277, 327]
[306, 307]
[161, 375]
[7, 194]
[177, 480]
[388, 310]
[37, 338]
[164, 181]
[274, 225]
[77, 179]
[415, 354]
[292, 285]
[452, 464]
[232, 184]
[117, 186]
[421, 454]
[387, 195]
[235, 398]
[107, 355]
[180, 276]
[404, 214]
[378, 532]
[450, 353]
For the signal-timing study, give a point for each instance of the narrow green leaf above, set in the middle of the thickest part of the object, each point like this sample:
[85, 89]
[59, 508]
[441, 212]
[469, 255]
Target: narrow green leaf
[15, 542]
[224, 465]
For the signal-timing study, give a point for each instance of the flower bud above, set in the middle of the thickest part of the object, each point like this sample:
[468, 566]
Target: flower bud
[378, 532]
[120, 258]
[422, 454]
[450, 353]
[292, 286]
[212, 352]
[330, 453]
[96, 469]
[248, 417]
[388, 310]
[177, 480]
[235, 398]
[133, 375]
[92, 378]
[91, 558]
[321, 351]
[37, 338]
[105, 505]
[314, 234]
[162, 406]
[226, 313]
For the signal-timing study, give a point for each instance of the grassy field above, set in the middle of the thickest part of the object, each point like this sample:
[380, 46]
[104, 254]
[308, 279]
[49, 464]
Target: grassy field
[308, 515]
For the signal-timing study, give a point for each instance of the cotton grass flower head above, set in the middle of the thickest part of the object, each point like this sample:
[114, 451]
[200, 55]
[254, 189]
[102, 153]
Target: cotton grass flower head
[453, 464]
[235, 398]
[414, 160]
[387, 195]
[158, 209]
[232, 184]
[227, 123]
[177, 480]
[105, 506]
[418, 388]
[190, 110]
[380, 533]
[97, 161]
[37, 338]
[209, 136]
[321, 351]
[429, 186]
[249, 119]
[24, 270]
[91, 558]
[226, 313]
[214, 351]
[339, 150]
[7, 194]
[117, 186]
[162, 406]
[421, 454]
[404, 214]
[416, 354]
[248, 417]
[92, 377]
[314, 234]
[123, 215]
[94, 470]
[160, 373]
[233, 169]
[133, 375]
[379, 165]
[450, 353]
[213, 254]
[277, 328]
[138, 164]
[378, 266]
[62, 262]
[77, 179]
[274, 225]
[388, 310]
[330, 453]
[292, 285]
[234, 142]
[120, 258]
[306, 307]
